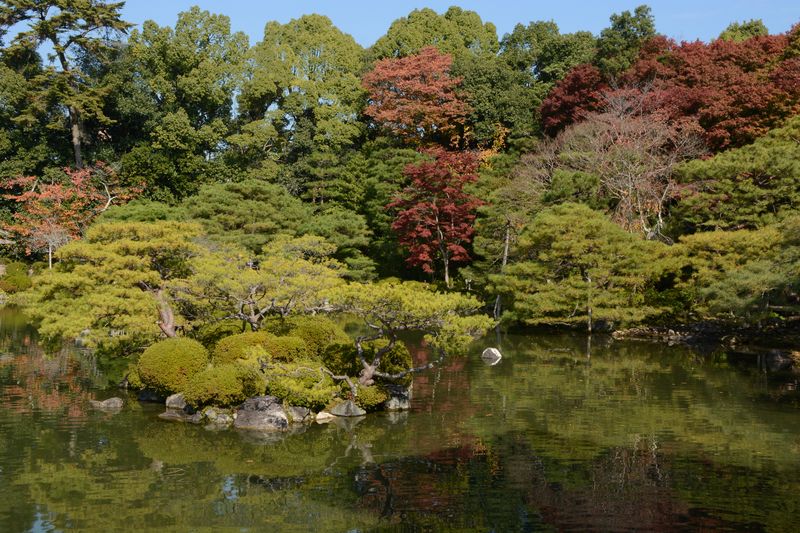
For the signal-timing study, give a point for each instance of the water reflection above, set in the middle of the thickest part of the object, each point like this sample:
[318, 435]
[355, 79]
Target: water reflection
[633, 437]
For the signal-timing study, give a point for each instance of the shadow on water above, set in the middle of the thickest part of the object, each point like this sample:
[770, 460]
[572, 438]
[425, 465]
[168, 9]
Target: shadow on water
[559, 435]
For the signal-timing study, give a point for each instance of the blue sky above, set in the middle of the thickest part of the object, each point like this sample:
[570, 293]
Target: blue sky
[368, 20]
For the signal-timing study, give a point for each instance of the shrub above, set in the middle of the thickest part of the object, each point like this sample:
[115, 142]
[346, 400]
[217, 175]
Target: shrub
[240, 346]
[371, 398]
[301, 383]
[132, 375]
[167, 365]
[318, 331]
[210, 334]
[287, 349]
[223, 386]
[343, 359]
[16, 278]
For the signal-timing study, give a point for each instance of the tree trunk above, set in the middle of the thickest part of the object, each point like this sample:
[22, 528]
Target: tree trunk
[589, 302]
[446, 272]
[497, 303]
[75, 128]
[49, 256]
[166, 317]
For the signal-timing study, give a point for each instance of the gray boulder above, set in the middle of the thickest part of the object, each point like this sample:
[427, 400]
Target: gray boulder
[299, 415]
[348, 408]
[111, 404]
[262, 413]
[399, 398]
[491, 356]
[176, 401]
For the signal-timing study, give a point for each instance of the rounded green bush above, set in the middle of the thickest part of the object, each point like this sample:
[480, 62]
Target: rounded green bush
[16, 278]
[167, 365]
[318, 331]
[223, 386]
[287, 349]
[132, 375]
[301, 383]
[210, 334]
[371, 398]
[240, 346]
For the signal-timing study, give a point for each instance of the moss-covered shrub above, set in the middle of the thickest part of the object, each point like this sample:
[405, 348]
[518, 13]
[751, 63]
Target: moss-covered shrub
[16, 278]
[240, 346]
[132, 375]
[210, 334]
[301, 383]
[167, 365]
[318, 331]
[223, 386]
[342, 358]
[287, 349]
[371, 398]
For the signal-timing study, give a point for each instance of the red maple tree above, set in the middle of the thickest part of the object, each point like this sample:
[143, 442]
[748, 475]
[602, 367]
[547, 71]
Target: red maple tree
[730, 92]
[435, 214]
[50, 214]
[415, 98]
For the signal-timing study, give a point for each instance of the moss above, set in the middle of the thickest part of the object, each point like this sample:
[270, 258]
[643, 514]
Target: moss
[167, 366]
[371, 398]
[16, 278]
[301, 383]
[240, 346]
[224, 386]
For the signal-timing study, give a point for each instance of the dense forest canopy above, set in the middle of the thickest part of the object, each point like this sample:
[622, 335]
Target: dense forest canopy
[597, 181]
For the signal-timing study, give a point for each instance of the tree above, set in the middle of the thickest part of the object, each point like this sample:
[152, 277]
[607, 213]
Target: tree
[577, 267]
[577, 95]
[742, 188]
[52, 213]
[449, 321]
[291, 276]
[415, 98]
[434, 213]
[110, 289]
[746, 30]
[73, 29]
[619, 44]
[456, 32]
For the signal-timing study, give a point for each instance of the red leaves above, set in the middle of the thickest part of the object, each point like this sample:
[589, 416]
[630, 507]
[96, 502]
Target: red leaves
[415, 97]
[435, 215]
[50, 214]
[730, 91]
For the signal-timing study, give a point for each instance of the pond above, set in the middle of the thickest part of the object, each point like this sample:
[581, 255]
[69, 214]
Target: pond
[629, 436]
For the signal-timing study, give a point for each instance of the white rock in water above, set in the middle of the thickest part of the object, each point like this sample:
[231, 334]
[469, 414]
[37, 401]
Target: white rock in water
[491, 356]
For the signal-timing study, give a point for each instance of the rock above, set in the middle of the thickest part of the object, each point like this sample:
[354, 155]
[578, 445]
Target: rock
[262, 413]
[176, 401]
[174, 415]
[399, 398]
[491, 356]
[111, 404]
[147, 395]
[299, 415]
[348, 408]
[323, 417]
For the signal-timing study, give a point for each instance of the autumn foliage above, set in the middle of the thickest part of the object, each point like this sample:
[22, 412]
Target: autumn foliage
[415, 98]
[435, 214]
[50, 214]
[730, 92]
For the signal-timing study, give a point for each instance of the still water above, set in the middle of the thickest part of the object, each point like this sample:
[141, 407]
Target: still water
[633, 437]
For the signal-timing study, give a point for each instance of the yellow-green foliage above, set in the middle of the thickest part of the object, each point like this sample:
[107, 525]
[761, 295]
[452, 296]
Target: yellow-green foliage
[371, 398]
[167, 365]
[15, 279]
[317, 331]
[134, 380]
[210, 334]
[223, 385]
[240, 346]
[287, 349]
[301, 383]
[342, 359]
